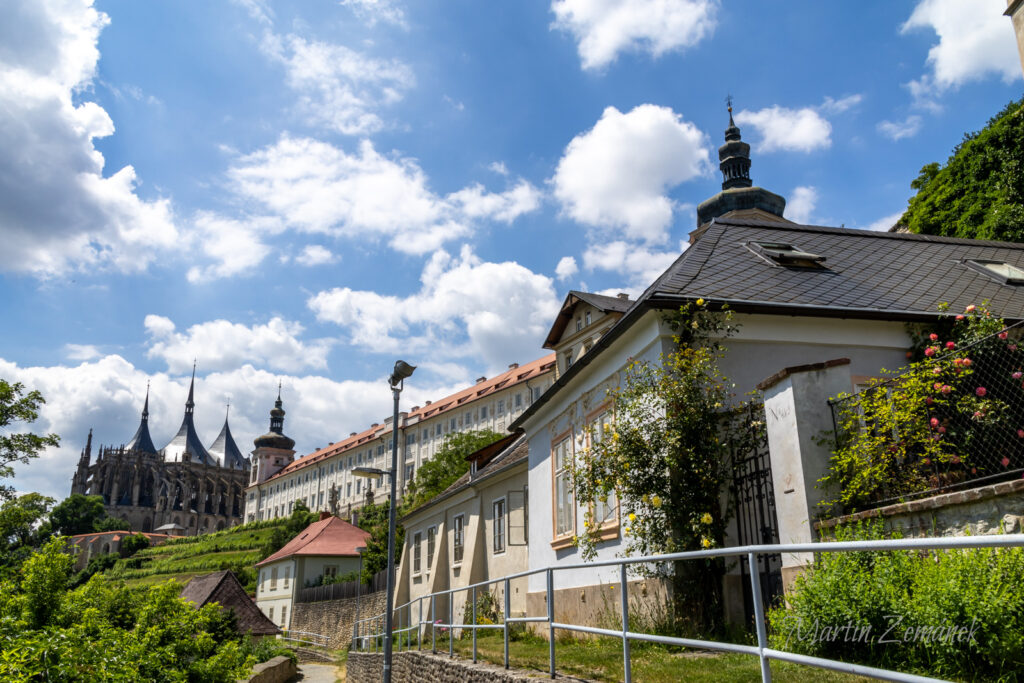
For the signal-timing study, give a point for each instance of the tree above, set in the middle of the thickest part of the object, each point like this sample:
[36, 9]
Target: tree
[979, 193]
[447, 465]
[132, 544]
[374, 518]
[666, 457]
[18, 407]
[23, 527]
[78, 514]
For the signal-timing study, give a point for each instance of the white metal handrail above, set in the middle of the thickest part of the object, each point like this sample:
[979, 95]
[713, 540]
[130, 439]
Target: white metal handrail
[761, 650]
[316, 639]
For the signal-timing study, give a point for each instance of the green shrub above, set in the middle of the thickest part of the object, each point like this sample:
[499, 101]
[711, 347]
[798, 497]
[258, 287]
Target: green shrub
[957, 614]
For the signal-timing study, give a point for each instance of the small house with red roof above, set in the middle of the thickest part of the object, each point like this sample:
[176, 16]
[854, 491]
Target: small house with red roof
[326, 548]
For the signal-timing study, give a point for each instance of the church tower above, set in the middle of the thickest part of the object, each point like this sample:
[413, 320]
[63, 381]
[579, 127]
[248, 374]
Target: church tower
[274, 451]
[79, 482]
[738, 197]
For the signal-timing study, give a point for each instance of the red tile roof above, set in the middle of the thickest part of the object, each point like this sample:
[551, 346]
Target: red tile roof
[510, 377]
[331, 537]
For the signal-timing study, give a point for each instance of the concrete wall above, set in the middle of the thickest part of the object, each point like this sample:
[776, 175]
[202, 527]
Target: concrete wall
[1015, 10]
[600, 605]
[415, 667]
[992, 509]
[276, 670]
[334, 618]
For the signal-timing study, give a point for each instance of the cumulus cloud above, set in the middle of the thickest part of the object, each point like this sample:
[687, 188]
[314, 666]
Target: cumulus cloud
[339, 88]
[617, 174]
[884, 223]
[315, 255]
[604, 28]
[975, 41]
[316, 187]
[58, 211]
[794, 130]
[81, 351]
[465, 308]
[372, 11]
[801, 204]
[235, 246]
[897, 130]
[566, 268]
[223, 345]
[106, 395]
[640, 265]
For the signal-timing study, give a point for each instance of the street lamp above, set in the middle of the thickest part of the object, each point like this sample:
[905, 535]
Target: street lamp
[359, 585]
[397, 379]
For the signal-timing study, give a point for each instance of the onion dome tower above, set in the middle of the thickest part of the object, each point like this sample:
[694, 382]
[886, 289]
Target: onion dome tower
[738, 192]
[142, 441]
[274, 451]
[226, 450]
[186, 446]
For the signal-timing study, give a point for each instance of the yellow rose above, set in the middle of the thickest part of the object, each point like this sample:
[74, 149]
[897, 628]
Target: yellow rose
[656, 501]
[700, 302]
[706, 542]
[632, 517]
[706, 518]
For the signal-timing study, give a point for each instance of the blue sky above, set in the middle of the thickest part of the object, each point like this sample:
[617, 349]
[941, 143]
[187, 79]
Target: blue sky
[303, 192]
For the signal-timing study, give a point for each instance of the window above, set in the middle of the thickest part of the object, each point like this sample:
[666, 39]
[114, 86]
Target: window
[499, 525]
[458, 534]
[359, 486]
[536, 394]
[416, 538]
[348, 489]
[273, 579]
[588, 318]
[579, 324]
[518, 401]
[483, 412]
[604, 509]
[452, 425]
[270, 614]
[426, 434]
[287, 575]
[469, 417]
[501, 407]
[263, 581]
[564, 511]
[320, 500]
[999, 271]
[410, 470]
[431, 533]
[410, 439]
[330, 571]
[284, 616]
[786, 255]
[437, 429]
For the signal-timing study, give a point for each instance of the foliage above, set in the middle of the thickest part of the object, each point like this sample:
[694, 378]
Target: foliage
[979, 193]
[300, 518]
[19, 407]
[23, 527]
[928, 425]
[78, 514]
[447, 465]
[374, 518]
[487, 609]
[103, 631]
[132, 544]
[667, 459]
[955, 614]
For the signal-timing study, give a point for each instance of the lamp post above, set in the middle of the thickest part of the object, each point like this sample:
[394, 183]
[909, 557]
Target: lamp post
[397, 379]
[359, 587]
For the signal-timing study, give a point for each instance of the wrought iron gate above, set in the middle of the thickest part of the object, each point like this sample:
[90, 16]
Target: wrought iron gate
[754, 497]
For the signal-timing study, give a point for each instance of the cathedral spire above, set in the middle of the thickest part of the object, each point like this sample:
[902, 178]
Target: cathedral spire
[734, 156]
[277, 414]
[142, 441]
[145, 406]
[190, 404]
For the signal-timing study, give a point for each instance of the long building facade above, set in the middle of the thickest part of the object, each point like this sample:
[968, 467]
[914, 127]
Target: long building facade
[196, 488]
[323, 480]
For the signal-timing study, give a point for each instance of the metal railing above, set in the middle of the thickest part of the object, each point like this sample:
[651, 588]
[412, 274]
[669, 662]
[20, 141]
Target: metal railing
[372, 638]
[305, 638]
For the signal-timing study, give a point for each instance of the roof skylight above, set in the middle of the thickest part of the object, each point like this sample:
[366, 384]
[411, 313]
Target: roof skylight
[786, 255]
[1000, 271]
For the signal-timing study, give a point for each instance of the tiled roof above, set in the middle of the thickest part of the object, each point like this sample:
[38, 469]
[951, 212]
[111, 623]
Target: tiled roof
[223, 588]
[516, 449]
[607, 304]
[330, 537]
[509, 378]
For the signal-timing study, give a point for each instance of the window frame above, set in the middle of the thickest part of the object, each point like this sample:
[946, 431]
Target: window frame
[431, 545]
[563, 539]
[458, 538]
[498, 531]
[609, 528]
[417, 557]
[982, 266]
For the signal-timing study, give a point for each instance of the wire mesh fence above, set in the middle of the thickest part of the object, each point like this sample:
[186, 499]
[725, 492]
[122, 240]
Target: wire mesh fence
[953, 420]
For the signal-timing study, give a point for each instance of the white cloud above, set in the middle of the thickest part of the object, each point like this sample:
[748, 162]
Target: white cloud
[566, 268]
[223, 345]
[81, 351]
[617, 174]
[465, 308]
[58, 212]
[106, 395]
[372, 11]
[801, 204]
[975, 41]
[315, 255]
[897, 130]
[234, 245]
[640, 265]
[780, 128]
[604, 28]
[834, 106]
[316, 187]
[339, 88]
[884, 223]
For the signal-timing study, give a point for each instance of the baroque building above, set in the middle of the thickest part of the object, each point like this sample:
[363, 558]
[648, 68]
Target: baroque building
[184, 487]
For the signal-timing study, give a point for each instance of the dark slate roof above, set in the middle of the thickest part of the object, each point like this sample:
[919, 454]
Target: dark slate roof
[224, 589]
[142, 441]
[869, 275]
[606, 304]
[516, 450]
[226, 450]
[187, 440]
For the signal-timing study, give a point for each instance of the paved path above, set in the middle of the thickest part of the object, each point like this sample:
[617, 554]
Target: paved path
[317, 673]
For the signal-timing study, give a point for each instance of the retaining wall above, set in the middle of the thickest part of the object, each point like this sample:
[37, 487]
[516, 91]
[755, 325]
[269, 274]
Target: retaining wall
[276, 670]
[416, 667]
[334, 618]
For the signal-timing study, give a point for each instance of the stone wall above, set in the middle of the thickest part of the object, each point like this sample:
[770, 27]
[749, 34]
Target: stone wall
[983, 510]
[416, 667]
[276, 670]
[334, 618]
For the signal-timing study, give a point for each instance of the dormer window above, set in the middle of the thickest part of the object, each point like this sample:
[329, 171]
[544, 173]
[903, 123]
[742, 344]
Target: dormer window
[787, 255]
[588, 319]
[579, 324]
[1000, 271]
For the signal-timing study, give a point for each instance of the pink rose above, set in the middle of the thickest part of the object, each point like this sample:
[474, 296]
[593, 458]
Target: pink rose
[981, 391]
[970, 309]
[950, 345]
[974, 470]
[978, 414]
[1005, 461]
[967, 362]
[933, 336]
[936, 371]
[942, 430]
[910, 354]
[927, 461]
[1002, 335]
[934, 422]
[929, 400]
[937, 386]
[1017, 375]
[929, 352]
[1011, 347]
[946, 389]
[1020, 433]
[955, 459]
[960, 317]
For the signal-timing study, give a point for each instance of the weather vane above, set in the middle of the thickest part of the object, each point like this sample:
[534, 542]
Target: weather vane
[728, 102]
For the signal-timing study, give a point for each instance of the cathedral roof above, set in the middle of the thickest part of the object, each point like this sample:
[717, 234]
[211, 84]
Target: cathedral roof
[226, 450]
[142, 441]
[187, 440]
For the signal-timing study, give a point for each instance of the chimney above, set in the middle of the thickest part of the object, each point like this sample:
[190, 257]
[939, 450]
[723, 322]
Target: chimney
[415, 408]
[330, 443]
[513, 366]
[623, 296]
[324, 514]
[427, 403]
[481, 379]
[375, 424]
[351, 434]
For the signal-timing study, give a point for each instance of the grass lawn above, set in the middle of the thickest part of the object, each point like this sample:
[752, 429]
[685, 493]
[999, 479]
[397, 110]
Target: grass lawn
[600, 659]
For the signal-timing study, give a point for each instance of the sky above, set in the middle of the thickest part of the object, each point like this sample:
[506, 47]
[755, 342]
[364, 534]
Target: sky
[303, 192]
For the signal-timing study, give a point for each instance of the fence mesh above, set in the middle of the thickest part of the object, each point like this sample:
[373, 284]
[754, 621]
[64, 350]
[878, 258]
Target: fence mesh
[953, 420]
